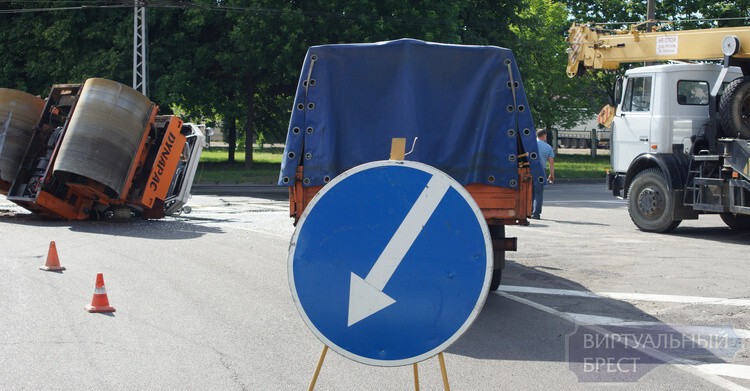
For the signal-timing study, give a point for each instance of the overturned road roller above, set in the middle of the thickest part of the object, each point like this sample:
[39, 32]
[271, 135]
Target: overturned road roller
[95, 150]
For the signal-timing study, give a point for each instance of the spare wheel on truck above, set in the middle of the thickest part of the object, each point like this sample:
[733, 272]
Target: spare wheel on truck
[734, 108]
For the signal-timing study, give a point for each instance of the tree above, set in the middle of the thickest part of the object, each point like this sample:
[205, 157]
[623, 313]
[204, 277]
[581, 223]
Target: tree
[265, 48]
[555, 99]
[41, 49]
[487, 22]
[238, 60]
[189, 66]
[683, 13]
[251, 51]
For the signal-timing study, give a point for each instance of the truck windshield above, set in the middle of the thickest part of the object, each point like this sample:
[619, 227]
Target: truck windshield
[637, 94]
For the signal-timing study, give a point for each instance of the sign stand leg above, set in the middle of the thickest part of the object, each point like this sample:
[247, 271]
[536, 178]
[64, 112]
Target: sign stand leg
[416, 377]
[317, 369]
[443, 372]
[441, 359]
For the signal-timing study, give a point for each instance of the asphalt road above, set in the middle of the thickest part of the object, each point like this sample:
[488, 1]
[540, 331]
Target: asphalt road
[203, 302]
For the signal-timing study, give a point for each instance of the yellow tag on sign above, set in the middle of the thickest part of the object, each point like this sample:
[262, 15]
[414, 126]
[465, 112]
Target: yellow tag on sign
[398, 148]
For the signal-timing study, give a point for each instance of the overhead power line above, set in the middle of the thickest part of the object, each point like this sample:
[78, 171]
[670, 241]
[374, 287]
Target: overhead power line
[219, 7]
[74, 5]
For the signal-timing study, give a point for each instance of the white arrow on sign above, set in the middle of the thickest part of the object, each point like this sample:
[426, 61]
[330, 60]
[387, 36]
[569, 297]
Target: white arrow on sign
[366, 295]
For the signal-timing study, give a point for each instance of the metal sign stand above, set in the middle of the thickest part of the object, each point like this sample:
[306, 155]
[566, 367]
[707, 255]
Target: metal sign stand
[317, 368]
[441, 360]
[443, 372]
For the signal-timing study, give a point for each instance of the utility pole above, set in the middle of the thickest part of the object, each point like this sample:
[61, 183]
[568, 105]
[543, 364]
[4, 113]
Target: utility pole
[650, 14]
[140, 42]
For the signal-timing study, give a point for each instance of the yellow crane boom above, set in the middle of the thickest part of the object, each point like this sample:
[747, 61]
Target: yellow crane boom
[594, 48]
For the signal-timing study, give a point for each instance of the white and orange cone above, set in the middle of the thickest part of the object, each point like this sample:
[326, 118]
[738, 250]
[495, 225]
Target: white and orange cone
[53, 261]
[100, 302]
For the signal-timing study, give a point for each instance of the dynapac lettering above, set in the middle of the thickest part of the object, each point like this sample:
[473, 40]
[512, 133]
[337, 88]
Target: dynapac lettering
[163, 157]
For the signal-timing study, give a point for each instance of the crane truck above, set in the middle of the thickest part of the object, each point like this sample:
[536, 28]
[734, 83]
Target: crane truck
[95, 150]
[680, 129]
[463, 108]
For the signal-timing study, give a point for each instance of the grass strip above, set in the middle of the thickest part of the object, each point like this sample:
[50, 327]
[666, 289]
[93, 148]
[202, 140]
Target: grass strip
[267, 162]
[580, 167]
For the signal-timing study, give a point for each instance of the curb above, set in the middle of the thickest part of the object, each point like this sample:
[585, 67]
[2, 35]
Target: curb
[237, 189]
[587, 181]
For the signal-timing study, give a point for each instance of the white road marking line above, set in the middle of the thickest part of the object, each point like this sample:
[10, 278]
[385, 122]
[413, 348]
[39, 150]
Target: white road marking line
[622, 202]
[729, 370]
[547, 291]
[683, 364]
[608, 321]
[629, 296]
[612, 321]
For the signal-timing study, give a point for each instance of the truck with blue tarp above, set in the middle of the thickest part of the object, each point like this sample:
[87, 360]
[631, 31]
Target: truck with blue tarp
[462, 108]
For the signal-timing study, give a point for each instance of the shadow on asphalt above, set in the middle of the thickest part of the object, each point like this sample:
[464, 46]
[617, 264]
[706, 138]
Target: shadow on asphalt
[507, 329]
[150, 229]
[167, 229]
[540, 223]
[717, 234]
[614, 204]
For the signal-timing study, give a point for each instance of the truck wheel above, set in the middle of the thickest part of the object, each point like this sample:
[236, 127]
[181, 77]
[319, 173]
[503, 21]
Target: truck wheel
[734, 108]
[649, 203]
[736, 222]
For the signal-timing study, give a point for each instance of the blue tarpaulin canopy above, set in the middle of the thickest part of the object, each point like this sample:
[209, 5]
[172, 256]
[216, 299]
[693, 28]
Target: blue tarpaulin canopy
[466, 105]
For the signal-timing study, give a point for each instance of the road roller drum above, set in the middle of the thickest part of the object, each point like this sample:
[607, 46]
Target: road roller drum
[104, 134]
[19, 113]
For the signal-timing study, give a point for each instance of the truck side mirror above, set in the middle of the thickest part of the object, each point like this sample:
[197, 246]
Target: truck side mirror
[618, 90]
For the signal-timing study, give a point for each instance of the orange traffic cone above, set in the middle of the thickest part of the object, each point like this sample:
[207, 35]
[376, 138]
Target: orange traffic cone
[53, 262]
[100, 302]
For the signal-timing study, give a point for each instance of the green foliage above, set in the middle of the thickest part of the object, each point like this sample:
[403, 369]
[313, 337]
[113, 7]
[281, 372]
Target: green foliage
[236, 62]
[44, 48]
[555, 99]
[683, 14]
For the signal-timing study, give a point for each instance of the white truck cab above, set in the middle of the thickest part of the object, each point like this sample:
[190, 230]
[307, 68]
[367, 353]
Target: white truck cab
[676, 154]
[662, 107]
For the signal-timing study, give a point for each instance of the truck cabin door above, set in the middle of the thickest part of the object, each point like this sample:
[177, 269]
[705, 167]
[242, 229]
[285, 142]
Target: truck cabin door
[632, 126]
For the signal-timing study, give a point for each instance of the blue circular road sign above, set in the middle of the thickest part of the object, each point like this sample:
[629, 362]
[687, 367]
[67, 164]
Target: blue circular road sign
[390, 263]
